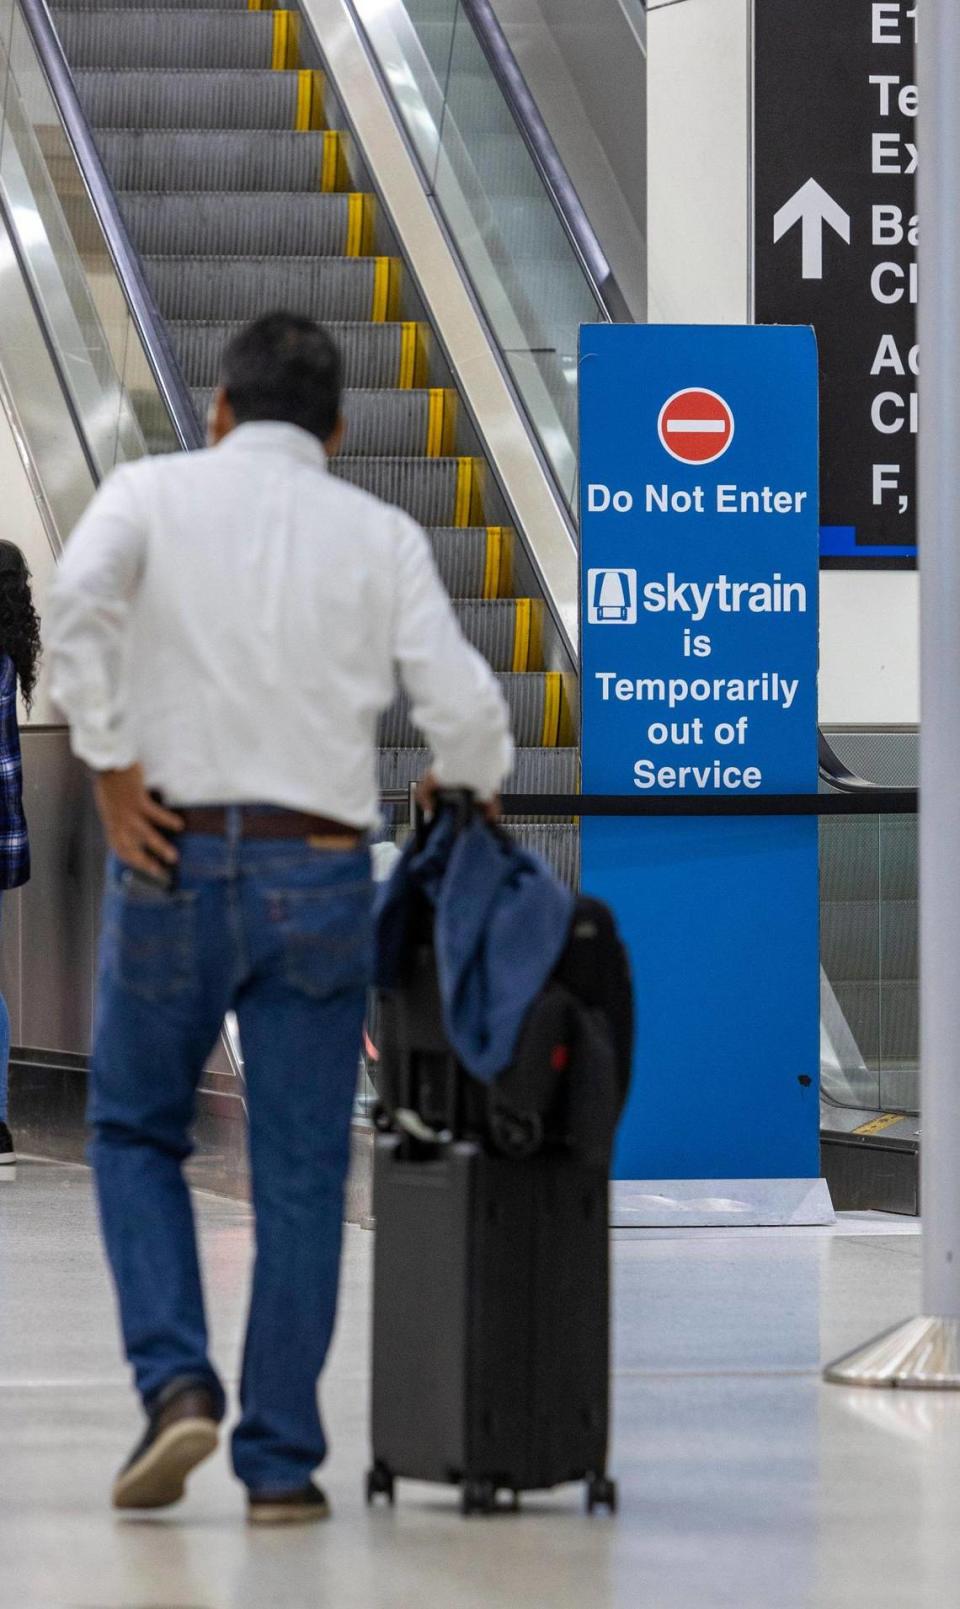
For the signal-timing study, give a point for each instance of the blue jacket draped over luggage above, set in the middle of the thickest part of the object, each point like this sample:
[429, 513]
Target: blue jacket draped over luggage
[501, 923]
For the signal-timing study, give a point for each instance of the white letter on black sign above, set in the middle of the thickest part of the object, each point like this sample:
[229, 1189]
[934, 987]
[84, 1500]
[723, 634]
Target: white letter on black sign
[886, 22]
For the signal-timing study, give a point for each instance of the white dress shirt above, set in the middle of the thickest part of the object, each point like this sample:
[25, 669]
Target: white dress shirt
[234, 620]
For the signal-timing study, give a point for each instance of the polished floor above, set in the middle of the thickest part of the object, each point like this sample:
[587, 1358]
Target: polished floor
[745, 1482]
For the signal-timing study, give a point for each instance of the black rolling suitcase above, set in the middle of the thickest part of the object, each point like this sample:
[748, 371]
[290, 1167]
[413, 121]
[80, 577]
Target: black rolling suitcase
[490, 1335]
[491, 1264]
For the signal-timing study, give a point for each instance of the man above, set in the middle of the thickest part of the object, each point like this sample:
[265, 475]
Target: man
[223, 633]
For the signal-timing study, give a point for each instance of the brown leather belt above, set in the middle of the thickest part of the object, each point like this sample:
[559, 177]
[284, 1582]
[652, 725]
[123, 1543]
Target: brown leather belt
[213, 820]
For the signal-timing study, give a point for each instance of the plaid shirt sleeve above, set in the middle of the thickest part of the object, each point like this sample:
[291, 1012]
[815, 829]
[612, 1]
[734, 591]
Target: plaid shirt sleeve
[14, 842]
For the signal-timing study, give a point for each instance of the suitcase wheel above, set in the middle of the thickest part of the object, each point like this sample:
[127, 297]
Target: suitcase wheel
[601, 1493]
[478, 1497]
[379, 1484]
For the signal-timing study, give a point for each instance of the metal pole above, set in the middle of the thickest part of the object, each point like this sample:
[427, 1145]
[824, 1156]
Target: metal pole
[925, 1352]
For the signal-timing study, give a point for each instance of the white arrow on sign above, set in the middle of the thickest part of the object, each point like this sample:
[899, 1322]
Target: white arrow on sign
[812, 208]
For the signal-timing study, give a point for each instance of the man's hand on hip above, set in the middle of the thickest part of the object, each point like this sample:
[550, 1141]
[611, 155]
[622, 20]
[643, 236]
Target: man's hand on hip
[133, 822]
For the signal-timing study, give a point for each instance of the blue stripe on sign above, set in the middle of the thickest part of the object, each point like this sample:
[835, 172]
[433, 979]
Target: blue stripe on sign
[840, 542]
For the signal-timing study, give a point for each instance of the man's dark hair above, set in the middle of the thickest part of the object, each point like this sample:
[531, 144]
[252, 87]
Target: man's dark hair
[286, 368]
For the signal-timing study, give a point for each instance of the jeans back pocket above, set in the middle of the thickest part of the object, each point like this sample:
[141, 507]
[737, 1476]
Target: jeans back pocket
[150, 937]
[326, 936]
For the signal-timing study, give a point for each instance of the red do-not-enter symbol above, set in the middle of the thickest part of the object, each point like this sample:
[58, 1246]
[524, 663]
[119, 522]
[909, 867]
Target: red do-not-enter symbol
[696, 425]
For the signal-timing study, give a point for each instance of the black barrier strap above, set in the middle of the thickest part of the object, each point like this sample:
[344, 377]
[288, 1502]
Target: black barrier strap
[879, 802]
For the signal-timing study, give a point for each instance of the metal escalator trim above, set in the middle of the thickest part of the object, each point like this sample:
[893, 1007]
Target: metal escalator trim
[149, 324]
[286, 41]
[409, 341]
[492, 564]
[487, 391]
[552, 699]
[521, 634]
[386, 290]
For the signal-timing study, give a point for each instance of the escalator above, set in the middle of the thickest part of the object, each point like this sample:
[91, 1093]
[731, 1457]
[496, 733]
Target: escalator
[242, 190]
[870, 982]
[171, 175]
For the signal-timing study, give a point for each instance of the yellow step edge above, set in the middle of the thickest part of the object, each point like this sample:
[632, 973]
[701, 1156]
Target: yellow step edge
[309, 114]
[567, 727]
[521, 634]
[535, 651]
[468, 502]
[493, 562]
[441, 422]
[333, 161]
[409, 338]
[386, 290]
[421, 366]
[508, 538]
[552, 700]
[360, 216]
[286, 40]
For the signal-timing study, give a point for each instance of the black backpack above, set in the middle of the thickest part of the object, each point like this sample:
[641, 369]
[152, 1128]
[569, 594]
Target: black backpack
[569, 1076]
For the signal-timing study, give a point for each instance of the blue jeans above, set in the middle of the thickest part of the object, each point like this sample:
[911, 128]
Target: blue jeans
[281, 934]
[4, 1060]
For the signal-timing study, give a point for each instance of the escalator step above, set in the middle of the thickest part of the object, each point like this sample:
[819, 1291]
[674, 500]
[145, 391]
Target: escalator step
[378, 423]
[461, 558]
[192, 99]
[165, 160]
[429, 489]
[162, 39]
[238, 201]
[558, 843]
[374, 355]
[499, 628]
[245, 287]
[85, 6]
[535, 770]
[530, 698]
[266, 223]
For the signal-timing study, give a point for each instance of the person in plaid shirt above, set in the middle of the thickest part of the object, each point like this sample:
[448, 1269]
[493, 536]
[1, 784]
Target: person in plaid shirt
[19, 655]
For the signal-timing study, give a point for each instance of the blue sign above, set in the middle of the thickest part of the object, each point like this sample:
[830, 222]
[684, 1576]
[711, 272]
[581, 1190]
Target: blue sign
[699, 582]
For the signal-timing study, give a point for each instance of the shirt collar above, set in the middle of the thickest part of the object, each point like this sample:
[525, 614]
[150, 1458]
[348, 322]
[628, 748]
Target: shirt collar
[275, 436]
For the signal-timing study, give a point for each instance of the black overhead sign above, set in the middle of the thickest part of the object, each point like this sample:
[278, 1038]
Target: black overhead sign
[836, 247]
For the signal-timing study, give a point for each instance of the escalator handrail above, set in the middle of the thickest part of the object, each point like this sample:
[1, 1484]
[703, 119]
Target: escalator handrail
[513, 86]
[839, 776]
[156, 343]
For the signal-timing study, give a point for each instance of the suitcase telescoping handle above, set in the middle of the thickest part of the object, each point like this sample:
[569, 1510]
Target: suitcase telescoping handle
[462, 801]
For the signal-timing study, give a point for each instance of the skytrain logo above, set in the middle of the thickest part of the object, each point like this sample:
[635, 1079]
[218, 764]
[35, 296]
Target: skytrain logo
[611, 597]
